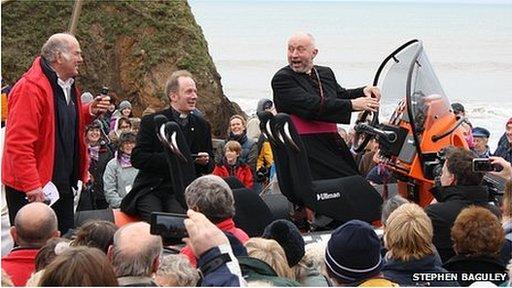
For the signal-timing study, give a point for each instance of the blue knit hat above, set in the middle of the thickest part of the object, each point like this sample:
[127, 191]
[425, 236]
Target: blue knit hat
[353, 252]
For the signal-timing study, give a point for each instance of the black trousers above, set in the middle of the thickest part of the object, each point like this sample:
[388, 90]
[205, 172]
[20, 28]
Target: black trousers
[63, 207]
[158, 200]
[329, 156]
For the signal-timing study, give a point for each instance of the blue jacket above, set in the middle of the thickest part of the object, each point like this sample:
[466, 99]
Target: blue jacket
[226, 275]
[401, 272]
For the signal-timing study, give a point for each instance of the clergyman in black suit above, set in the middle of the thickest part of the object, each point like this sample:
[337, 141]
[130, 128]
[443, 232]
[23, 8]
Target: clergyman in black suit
[316, 102]
[152, 189]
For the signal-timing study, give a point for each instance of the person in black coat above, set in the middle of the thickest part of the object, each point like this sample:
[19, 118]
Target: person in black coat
[504, 149]
[152, 189]
[99, 155]
[316, 102]
[457, 188]
[478, 237]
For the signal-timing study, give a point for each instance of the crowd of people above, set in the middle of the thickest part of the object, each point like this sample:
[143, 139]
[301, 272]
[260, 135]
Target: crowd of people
[218, 253]
[122, 164]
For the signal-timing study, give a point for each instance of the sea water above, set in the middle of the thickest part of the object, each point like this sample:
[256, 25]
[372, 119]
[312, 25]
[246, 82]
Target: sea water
[469, 44]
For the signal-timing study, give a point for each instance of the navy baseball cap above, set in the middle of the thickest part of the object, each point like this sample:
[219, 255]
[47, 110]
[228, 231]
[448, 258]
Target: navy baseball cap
[480, 132]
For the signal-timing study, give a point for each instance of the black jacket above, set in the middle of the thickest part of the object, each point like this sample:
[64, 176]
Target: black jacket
[401, 272]
[451, 201]
[299, 94]
[97, 168]
[149, 157]
[480, 264]
[295, 93]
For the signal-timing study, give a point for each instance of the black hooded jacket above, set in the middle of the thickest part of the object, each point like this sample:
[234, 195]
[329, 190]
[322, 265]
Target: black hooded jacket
[451, 201]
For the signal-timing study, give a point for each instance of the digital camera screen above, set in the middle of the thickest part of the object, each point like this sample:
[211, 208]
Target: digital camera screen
[482, 165]
[170, 226]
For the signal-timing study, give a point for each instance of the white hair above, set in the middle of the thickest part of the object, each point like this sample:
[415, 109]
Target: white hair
[57, 43]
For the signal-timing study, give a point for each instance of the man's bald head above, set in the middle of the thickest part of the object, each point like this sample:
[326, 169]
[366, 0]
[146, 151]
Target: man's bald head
[135, 250]
[304, 37]
[301, 52]
[34, 224]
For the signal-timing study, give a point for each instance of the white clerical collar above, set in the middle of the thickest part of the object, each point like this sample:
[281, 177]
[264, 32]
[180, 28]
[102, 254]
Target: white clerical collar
[181, 115]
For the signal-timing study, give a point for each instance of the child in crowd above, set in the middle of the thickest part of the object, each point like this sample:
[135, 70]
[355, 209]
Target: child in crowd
[231, 165]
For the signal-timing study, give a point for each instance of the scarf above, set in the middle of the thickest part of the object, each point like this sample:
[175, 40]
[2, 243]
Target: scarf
[238, 138]
[94, 152]
[124, 160]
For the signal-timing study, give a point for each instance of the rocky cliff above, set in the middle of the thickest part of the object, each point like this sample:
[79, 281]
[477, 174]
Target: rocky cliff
[129, 46]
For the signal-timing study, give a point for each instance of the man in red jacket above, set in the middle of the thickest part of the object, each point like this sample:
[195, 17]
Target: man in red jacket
[35, 224]
[44, 138]
[212, 196]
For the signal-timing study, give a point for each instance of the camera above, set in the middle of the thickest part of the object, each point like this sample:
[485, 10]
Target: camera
[262, 174]
[484, 165]
[170, 226]
[434, 166]
[104, 91]
[495, 186]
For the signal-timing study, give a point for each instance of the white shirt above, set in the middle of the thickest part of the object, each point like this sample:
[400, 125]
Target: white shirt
[66, 87]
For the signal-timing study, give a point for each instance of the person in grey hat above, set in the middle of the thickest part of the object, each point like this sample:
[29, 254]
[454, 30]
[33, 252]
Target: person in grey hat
[125, 107]
[119, 173]
[253, 124]
[480, 139]
[124, 110]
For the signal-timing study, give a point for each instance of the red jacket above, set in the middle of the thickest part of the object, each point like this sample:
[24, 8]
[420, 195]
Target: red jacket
[242, 172]
[228, 226]
[29, 149]
[19, 264]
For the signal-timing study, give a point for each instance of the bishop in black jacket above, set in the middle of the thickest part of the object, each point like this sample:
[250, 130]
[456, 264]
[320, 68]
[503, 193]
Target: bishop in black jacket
[316, 102]
[152, 189]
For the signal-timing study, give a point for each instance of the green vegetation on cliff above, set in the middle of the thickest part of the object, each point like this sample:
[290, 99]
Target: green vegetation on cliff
[130, 46]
